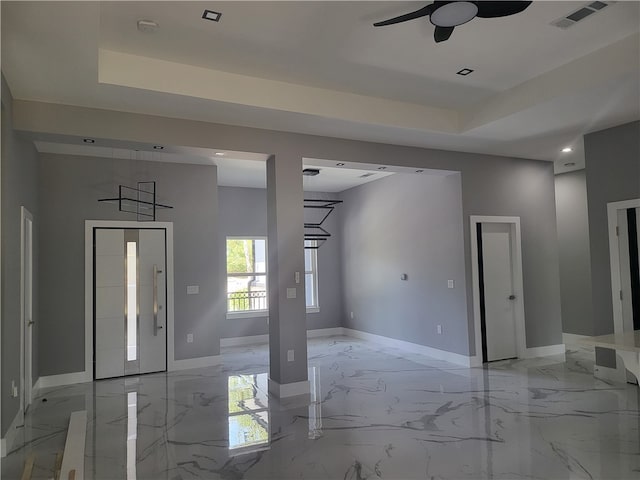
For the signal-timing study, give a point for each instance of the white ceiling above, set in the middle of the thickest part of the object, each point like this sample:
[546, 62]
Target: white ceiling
[321, 68]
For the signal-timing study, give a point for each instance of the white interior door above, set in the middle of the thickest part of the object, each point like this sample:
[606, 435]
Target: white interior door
[129, 299]
[497, 261]
[27, 308]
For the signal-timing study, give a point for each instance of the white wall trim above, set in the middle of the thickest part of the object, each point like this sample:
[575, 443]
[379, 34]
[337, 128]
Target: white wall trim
[574, 339]
[325, 332]
[432, 352]
[264, 339]
[614, 259]
[289, 389]
[62, 380]
[198, 362]
[545, 351]
[73, 456]
[26, 383]
[10, 439]
[242, 341]
[89, 225]
[521, 336]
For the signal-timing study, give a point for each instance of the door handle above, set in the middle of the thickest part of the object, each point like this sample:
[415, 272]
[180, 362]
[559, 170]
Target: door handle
[30, 322]
[155, 300]
[512, 297]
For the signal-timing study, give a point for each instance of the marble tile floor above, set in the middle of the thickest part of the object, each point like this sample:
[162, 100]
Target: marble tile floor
[374, 413]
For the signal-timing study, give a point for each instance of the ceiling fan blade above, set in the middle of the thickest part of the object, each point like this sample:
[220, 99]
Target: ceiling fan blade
[500, 9]
[423, 12]
[442, 33]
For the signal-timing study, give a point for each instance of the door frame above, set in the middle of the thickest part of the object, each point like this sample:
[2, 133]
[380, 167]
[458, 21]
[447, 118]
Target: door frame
[26, 351]
[89, 225]
[614, 258]
[516, 270]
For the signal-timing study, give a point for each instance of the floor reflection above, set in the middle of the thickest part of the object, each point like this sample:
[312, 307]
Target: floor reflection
[248, 413]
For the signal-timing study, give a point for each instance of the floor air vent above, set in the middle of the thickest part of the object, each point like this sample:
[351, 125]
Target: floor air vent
[580, 14]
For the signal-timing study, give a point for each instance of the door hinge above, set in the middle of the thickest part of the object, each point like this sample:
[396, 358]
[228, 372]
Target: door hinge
[617, 231]
[620, 294]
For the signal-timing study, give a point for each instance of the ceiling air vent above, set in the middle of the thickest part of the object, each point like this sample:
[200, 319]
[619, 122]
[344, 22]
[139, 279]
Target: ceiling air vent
[580, 14]
[310, 172]
[365, 175]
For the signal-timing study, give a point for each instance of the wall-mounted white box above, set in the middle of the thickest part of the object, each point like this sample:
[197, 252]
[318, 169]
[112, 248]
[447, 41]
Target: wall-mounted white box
[291, 293]
[450, 284]
[193, 289]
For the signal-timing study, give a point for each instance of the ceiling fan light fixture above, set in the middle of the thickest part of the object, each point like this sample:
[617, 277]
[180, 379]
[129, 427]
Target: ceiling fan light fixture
[453, 14]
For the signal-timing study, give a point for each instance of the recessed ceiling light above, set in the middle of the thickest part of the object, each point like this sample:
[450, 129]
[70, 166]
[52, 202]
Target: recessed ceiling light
[464, 72]
[158, 147]
[147, 26]
[570, 164]
[211, 15]
[220, 154]
[567, 150]
[89, 140]
[382, 168]
[419, 171]
[340, 164]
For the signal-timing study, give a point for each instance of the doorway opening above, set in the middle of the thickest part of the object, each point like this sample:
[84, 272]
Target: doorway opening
[497, 288]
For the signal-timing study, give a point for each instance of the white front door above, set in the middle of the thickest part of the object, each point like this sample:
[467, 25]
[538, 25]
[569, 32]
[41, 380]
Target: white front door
[129, 302]
[499, 305]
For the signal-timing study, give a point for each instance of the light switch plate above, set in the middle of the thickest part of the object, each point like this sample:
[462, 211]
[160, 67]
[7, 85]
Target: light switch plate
[439, 329]
[297, 275]
[291, 293]
[193, 289]
[290, 356]
[189, 337]
[450, 284]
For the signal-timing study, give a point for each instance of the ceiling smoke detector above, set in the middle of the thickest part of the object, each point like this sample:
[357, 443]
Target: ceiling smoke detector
[310, 172]
[147, 26]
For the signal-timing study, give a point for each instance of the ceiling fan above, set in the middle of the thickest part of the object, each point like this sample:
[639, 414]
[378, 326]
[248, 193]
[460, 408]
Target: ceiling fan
[446, 15]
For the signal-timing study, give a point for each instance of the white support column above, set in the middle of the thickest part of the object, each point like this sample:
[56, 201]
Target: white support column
[287, 312]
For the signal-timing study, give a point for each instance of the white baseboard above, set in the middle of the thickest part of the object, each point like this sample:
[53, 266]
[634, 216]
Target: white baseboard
[12, 435]
[61, 380]
[573, 339]
[325, 332]
[242, 341]
[435, 353]
[73, 457]
[545, 351]
[288, 389]
[199, 362]
[264, 339]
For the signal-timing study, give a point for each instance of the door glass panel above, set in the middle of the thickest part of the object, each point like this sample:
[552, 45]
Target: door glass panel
[132, 301]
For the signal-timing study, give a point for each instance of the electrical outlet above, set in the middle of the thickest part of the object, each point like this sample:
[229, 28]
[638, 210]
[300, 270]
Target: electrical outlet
[290, 355]
[450, 284]
[439, 329]
[14, 389]
[189, 337]
[193, 289]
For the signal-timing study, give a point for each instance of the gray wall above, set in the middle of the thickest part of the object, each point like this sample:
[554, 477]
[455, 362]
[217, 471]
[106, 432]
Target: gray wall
[243, 212]
[406, 224]
[19, 176]
[69, 188]
[613, 174]
[612, 159]
[575, 260]
[491, 185]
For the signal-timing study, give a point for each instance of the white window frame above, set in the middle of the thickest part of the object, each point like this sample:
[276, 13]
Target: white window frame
[314, 271]
[247, 313]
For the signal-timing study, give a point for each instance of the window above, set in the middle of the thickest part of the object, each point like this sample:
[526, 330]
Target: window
[311, 277]
[246, 274]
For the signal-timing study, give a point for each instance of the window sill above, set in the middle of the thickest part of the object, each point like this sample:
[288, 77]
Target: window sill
[252, 314]
[261, 313]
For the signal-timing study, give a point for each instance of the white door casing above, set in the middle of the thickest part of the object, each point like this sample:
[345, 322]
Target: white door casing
[518, 289]
[26, 309]
[614, 259]
[625, 271]
[129, 297]
[168, 308]
[498, 288]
